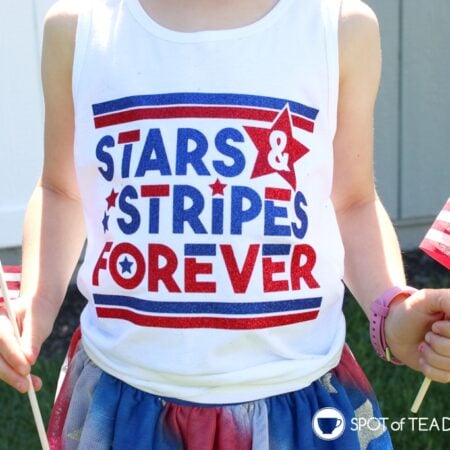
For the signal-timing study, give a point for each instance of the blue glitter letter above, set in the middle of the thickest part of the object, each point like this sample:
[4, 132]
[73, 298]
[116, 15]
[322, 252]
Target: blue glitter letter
[133, 225]
[194, 156]
[271, 212]
[153, 144]
[190, 214]
[105, 157]
[239, 215]
[300, 231]
[222, 145]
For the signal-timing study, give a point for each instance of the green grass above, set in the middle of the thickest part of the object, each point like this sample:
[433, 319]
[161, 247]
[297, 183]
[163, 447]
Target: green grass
[395, 387]
[17, 429]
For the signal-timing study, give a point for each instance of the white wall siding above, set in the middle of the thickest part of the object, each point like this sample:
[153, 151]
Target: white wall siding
[20, 111]
[413, 113]
[425, 107]
[387, 117]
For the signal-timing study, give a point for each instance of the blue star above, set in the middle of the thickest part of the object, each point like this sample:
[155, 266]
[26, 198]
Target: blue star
[126, 265]
[105, 222]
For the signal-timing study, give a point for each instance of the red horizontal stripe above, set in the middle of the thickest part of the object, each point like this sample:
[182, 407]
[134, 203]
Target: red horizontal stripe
[430, 244]
[129, 136]
[277, 194]
[13, 285]
[206, 322]
[302, 123]
[437, 251]
[442, 226]
[179, 112]
[12, 269]
[155, 190]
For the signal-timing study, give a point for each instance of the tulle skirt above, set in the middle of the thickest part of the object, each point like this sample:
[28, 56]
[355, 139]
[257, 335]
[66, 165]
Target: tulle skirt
[95, 411]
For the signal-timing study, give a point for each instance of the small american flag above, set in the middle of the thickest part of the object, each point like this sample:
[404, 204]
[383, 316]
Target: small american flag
[12, 278]
[437, 241]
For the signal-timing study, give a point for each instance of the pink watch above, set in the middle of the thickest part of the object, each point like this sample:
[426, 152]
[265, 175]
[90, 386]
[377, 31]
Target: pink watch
[380, 309]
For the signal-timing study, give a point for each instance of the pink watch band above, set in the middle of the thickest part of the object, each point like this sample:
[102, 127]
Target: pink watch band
[380, 310]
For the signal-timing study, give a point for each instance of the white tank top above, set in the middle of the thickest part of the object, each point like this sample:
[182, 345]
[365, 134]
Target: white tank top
[214, 262]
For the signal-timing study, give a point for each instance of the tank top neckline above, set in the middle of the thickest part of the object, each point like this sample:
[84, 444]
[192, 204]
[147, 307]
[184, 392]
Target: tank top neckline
[205, 35]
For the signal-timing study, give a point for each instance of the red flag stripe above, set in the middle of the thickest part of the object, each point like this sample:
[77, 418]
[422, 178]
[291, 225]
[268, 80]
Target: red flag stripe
[442, 226]
[437, 240]
[12, 279]
[437, 251]
[12, 269]
[13, 285]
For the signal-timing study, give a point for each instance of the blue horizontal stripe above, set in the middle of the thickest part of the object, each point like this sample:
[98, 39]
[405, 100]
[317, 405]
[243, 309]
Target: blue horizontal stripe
[189, 307]
[195, 98]
[200, 249]
[276, 249]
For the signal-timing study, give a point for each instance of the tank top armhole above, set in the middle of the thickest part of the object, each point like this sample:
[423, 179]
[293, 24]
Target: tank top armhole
[81, 44]
[331, 10]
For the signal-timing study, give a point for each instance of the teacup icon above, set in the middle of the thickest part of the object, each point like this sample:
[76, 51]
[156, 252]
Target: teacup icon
[328, 424]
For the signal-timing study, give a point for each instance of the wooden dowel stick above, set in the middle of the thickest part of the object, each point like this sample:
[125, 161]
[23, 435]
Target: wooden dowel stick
[31, 392]
[420, 395]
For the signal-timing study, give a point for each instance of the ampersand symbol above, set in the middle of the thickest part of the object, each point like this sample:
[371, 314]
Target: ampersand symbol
[276, 158]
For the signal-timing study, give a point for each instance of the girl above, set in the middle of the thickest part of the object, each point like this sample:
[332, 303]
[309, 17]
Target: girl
[219, 156]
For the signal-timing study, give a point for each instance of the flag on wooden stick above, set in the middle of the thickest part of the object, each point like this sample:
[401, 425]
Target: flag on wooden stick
[12, 277]
[437, 245]
[437, 241]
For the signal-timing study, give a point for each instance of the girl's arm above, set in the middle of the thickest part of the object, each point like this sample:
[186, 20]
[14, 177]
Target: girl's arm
[373, 261]
[54, 229]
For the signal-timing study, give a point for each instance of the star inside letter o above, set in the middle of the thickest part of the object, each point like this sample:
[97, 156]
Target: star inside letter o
[278, 150]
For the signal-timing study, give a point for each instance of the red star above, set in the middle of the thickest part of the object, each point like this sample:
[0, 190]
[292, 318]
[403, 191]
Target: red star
[111, 199]
[278, 150]
[217, 187]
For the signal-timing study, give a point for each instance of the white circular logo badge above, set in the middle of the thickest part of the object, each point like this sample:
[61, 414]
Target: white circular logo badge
[328, 424]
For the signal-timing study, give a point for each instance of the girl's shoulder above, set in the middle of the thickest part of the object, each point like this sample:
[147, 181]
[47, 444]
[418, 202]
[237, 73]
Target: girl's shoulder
[359, 33]
[357, 16]
[65, 11]
[60, 26]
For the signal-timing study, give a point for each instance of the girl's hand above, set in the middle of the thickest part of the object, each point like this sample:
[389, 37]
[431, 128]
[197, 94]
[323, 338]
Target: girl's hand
[17, 359]
[418, 332]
